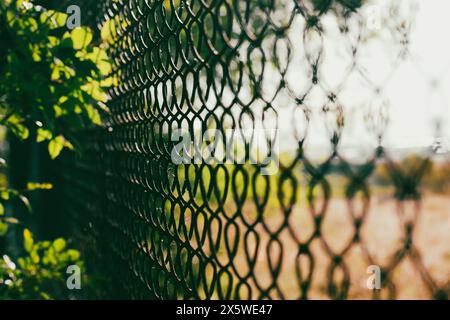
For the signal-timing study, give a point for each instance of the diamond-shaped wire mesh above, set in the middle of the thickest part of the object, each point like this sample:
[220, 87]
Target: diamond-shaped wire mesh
[341, 200]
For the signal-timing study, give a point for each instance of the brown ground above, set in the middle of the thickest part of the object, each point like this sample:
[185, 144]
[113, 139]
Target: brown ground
[381, 235]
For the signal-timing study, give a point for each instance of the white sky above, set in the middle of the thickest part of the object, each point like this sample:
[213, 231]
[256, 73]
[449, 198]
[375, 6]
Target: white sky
[407, 85]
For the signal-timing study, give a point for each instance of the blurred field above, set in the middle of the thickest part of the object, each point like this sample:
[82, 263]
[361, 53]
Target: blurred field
[381, 235]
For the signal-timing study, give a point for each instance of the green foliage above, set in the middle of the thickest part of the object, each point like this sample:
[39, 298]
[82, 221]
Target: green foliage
[50, 78]
[41, 273]
[51, 83]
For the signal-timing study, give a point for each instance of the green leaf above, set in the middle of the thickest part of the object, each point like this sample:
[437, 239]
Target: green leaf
[2, 209]
[39, 186]
[28, 240]
[101, 60]
[81, 37]
[73, 254]
[93, 114]
[22, 263]
[108, 31]
[68, 145]
[43, 134]
[19, 130]
[43, 244]
[4, 194]
[59, 244]
[55, 146]
[57, 18]
[45, 296]
[35, 257]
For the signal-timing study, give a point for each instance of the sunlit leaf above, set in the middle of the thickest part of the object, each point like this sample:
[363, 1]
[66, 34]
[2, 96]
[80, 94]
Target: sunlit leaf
[59, 244]
[28, 240]
[35, 257]
[45, 296]
[58, 19]
[81, 37]
[4, 194]
[107, 31]
[41, 186]
[55, 146]
[74, 255]
[43, 134]
[93, 114]
[19, 129]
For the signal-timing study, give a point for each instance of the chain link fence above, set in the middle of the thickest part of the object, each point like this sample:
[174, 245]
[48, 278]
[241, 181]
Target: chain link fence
[357, 180]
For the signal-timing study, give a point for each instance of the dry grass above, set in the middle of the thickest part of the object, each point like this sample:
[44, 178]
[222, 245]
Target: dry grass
[381, 235]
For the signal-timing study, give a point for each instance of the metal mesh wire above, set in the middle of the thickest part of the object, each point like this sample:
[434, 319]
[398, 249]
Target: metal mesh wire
[208, 231]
